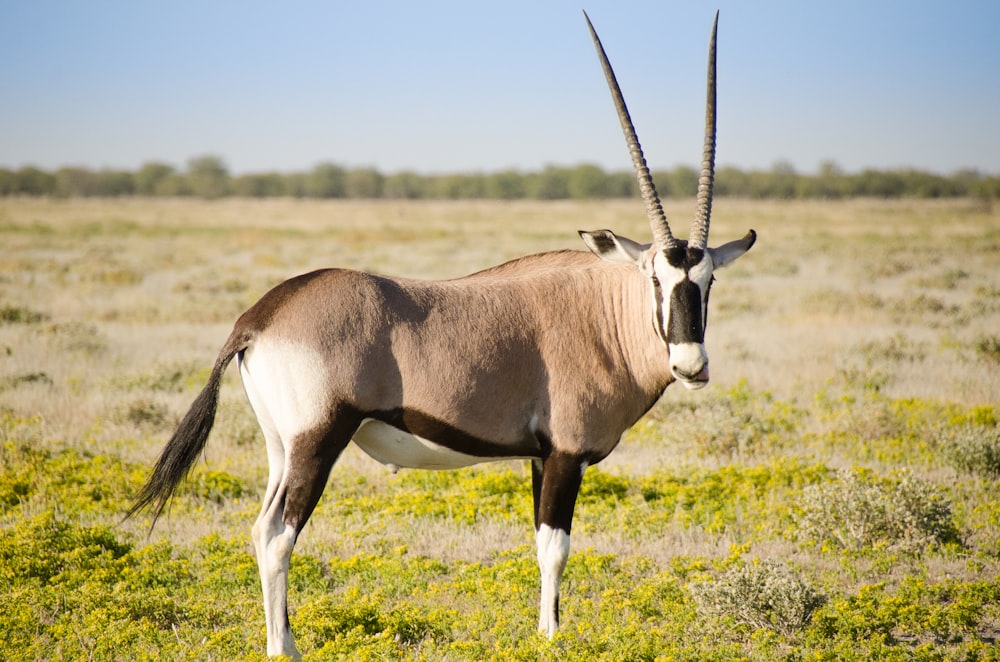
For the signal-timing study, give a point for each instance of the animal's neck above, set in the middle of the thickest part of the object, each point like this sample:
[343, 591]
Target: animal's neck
[643, 350]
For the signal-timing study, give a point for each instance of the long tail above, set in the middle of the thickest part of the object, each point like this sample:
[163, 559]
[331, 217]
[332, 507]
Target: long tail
[189, 439]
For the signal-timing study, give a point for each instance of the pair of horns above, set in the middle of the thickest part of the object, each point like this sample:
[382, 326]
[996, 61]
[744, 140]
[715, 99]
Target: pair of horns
[662, 236]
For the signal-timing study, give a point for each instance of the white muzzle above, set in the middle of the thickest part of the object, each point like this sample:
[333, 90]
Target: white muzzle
[689, 364]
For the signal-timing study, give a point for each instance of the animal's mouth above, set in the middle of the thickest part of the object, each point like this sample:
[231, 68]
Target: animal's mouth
[693, 382]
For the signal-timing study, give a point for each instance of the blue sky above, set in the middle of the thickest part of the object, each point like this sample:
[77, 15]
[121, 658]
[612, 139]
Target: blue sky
[461, 86]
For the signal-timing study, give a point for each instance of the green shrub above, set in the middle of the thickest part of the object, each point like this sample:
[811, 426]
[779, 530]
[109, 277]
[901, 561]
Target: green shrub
[739, 424]
[762, 594]
[14, 381]
[746, 501]
[76, 592]
[144, 413]
[465, 495]
[23, 430]
[856, 511]
[18, 466]
[20, 315]
[216, 486]
[974, 449]
[76, 336]
[74, 484]
[175, 377]
[948, 620]
[44, 548]
[988, 348]
[330, 618]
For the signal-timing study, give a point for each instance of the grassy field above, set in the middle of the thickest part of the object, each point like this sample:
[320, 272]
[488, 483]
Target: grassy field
[831, 495]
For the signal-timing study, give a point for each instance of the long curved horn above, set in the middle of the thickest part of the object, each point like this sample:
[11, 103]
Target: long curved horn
[662, 237]
[703, 208]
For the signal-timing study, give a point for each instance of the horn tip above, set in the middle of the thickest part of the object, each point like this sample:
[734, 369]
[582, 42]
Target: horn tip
[590, 25]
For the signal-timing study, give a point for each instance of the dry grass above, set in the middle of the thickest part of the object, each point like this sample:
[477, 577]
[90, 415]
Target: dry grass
[857, 335]
[114, 309]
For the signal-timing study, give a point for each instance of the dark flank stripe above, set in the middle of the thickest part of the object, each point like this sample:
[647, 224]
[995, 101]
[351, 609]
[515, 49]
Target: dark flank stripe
[444, 434]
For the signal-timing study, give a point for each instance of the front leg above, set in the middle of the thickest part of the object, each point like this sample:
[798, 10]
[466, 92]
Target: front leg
[555, 485]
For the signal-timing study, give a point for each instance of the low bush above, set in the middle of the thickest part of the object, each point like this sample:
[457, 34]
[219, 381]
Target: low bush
[917, 619]
[144, 413]
[761, 594]
[173, 377]
[974, 449]
[20, 315]
[988, 348]
[740, 423]
[16, 380]
[214, 486]
[857, 510]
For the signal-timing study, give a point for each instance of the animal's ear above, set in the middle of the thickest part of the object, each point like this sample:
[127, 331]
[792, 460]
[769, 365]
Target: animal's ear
[609, 246]
[726, 253]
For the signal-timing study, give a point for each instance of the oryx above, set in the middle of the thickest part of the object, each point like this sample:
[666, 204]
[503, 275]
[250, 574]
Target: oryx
[550, 357]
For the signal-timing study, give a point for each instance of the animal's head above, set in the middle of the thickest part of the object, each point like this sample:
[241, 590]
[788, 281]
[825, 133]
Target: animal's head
[680, 272]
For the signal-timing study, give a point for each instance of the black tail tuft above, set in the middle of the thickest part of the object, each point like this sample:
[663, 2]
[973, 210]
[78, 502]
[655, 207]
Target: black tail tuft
[188, 441]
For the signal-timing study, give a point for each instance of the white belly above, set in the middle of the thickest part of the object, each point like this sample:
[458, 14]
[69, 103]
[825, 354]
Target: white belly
[397, 449]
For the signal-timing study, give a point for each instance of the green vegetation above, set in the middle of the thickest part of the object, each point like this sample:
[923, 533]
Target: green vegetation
[759, 596]
[831, 495]
[78, 586]
[973, 449]
[207, 177]
[19, 315]
[856, 511]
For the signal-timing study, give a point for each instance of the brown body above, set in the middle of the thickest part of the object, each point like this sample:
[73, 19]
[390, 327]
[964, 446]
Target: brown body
[536, 355]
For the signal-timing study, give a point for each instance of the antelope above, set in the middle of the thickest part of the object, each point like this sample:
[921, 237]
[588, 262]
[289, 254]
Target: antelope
[550, 358]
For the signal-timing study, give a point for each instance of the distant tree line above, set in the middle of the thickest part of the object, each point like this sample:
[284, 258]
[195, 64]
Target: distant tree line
[208, 177]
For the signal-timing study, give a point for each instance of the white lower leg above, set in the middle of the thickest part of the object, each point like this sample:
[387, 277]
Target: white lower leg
[553, 550]
[273, 543]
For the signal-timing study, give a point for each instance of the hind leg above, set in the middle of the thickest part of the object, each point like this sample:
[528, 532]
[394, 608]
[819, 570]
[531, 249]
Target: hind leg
[273, 546]
[273, 549]
[299, 462]
[305, 467]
